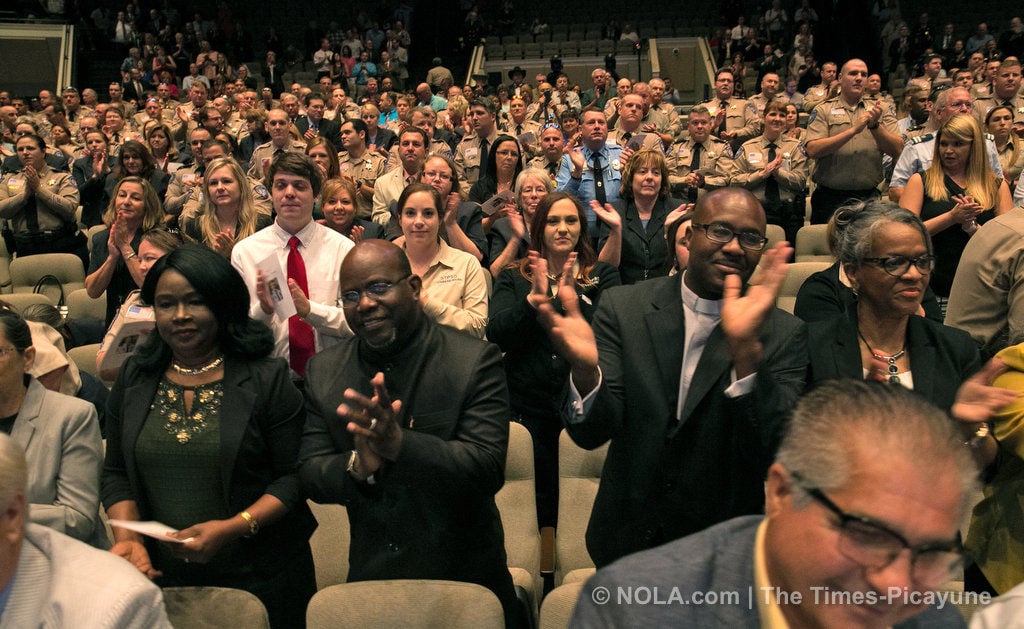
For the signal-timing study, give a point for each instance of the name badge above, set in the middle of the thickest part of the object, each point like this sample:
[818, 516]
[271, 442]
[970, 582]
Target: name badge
[754, 158]
[471, 152]
[838, 111]
[683, 152]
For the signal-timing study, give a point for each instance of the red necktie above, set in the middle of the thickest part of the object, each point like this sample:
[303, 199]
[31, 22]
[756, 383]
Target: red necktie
[300, 334]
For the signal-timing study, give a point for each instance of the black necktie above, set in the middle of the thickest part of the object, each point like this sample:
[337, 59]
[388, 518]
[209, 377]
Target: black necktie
[722, 106]
[553, 169]
[519, 129]
[598, 179]
[483, 150]
[691, 194]
[771, 186]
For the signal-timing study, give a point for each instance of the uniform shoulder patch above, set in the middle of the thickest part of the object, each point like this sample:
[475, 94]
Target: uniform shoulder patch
[922, 138]
[814, 114]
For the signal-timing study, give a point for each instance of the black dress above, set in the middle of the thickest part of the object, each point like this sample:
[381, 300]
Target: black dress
[949, 243]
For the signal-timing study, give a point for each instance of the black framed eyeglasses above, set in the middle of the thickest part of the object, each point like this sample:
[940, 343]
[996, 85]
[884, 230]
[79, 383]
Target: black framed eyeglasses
[374, 291]
[875, 546]
[898, 265]
[723, 234]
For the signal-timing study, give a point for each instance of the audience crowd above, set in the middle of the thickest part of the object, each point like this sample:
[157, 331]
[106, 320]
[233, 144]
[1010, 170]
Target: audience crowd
[314, 273]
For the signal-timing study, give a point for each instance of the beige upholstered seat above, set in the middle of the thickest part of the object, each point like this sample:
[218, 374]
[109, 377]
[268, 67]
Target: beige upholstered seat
[405, 603]
[329, 544]
[579, 473]
[85, 358]
[5, 269]
[774, 234]
[214, 608]
[559, 605]
[812, 244]
[20, 301]
[26, 271]
[796, 275]
[81, 305]
[517, 503]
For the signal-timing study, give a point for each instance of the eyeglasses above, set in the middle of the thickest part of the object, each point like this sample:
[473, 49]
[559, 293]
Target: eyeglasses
[723, 234]
[374, 291]
[437, 175]
[875, 546]
[899, 265]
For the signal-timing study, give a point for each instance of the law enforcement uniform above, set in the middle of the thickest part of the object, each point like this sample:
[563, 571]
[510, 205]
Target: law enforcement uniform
[364, 171]
[515, 129]
[855, 169]
[178, 189]
[350, 111]
[759, 101]
[621, 138]
[679, 160]
[675, 124]
[469, 155]
[267, 151]
[551, 168]
[45, 222]
[919, 152]
[740, 119]
[791, 178]
[815, 96]
[983, 105]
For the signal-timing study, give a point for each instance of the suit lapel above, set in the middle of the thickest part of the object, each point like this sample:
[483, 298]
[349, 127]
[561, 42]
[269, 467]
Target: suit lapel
[24, 424]
[137, 400]
[846, 357]
[236, 412]
[922, 358]
[664, 320]
[633, 221]
[714, 362]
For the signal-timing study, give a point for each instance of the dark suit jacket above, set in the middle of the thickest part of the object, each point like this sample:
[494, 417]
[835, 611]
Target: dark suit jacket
[261, 423]
[430, 513]
[384, 139]
[720, 559]
[329, 129]
[90, 191]
[941, 357]
[823, 296]
[12, 164]
[644, 251]
[665, 479]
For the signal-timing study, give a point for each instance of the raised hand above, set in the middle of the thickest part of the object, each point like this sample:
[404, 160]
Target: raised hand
[977, 400]
[570, 332]
[375, 418]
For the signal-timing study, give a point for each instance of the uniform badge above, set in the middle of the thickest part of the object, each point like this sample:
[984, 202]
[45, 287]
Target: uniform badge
[616, 164]
[261, 192]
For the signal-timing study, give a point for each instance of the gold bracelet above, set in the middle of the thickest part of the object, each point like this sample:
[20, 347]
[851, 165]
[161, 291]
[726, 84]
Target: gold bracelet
[254, 525]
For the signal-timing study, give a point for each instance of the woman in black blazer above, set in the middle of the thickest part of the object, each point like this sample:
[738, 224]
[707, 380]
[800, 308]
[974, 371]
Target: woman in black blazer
[887, 255]
[637, 245]
[203, 435]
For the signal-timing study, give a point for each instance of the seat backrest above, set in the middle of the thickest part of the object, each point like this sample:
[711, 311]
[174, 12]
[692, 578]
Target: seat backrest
[774, 234]
[329, 543]
[211, 607]
[66, 267]
[579, 474]
[405, 603]
[517, 504]
[20, 301]
[559, 605]
[5, 269]
[812, 244]
[85, 357]
[82, 306]
[796, 275]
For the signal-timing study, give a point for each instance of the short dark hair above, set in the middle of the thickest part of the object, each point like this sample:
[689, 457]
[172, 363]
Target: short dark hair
[224, 293]
[299, 165]
[417, 131]
[358, 126]
[486, 103]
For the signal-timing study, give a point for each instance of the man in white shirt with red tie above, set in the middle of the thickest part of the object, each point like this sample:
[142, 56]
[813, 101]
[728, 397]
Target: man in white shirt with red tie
[309, 253]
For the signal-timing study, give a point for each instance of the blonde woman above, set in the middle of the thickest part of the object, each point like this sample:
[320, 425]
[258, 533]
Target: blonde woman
[957, 193]
[228, 213]
[133, 210]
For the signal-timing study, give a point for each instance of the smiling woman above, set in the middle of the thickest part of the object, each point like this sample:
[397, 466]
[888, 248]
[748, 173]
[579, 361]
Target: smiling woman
[454, 287]
[199, 403]
[114, 265]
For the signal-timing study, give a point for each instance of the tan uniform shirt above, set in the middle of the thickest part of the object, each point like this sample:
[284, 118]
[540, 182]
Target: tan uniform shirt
[55, 200]
[815, 96]
[713, 154]
[857, 165]
[745, 167]
[264, 154]
[618, 137]
[983, 105]
[740, 119]
[469, 157]
[674, 125]
[364, 171]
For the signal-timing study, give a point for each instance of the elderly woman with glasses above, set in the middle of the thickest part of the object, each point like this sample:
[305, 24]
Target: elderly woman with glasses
[886, 253]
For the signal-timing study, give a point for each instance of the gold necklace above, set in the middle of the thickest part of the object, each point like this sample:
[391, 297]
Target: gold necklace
[197, 371]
